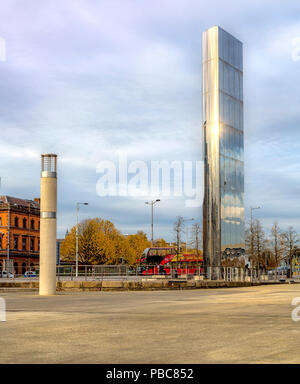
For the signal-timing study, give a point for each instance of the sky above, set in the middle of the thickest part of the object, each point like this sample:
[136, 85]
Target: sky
[90, 79]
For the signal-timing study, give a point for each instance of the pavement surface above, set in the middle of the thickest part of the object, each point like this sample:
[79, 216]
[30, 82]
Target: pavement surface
[232, 325]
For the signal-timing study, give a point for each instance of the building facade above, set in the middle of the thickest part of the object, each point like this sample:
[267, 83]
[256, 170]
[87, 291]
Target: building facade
[223, 146]
[58, 244]
[19, 234]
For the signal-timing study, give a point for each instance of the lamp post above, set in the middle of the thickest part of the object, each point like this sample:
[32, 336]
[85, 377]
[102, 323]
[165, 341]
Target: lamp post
[48, 207]
[152, 204]
[77, 212]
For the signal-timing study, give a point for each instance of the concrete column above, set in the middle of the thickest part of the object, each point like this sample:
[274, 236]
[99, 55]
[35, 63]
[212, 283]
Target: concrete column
[48, 225]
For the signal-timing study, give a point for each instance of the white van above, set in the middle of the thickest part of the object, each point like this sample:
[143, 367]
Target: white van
[7, 275]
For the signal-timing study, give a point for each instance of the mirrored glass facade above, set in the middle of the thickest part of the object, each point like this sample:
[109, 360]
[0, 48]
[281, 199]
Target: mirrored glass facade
[223, 140]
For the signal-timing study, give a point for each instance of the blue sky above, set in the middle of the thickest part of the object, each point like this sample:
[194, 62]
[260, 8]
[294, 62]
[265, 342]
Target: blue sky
[87, 79]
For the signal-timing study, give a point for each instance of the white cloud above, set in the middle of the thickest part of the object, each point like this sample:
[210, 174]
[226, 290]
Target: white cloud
[88, 79]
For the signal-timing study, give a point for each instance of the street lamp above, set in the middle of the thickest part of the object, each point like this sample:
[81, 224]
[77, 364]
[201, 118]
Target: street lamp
[251, 216]
[77, 211]
[152, 204]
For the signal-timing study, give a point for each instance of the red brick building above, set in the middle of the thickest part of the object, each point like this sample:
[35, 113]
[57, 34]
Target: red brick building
[19, 234]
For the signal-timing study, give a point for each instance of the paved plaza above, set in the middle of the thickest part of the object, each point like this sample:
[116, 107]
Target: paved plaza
[233, 325]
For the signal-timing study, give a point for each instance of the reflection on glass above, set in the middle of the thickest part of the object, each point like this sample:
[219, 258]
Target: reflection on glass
[223, 210]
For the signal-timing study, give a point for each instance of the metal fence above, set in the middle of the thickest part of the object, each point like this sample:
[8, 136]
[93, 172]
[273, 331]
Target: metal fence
[182, 271]
[93, 272]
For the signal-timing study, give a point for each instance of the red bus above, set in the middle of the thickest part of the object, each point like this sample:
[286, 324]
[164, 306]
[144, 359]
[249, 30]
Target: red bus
[161, 261]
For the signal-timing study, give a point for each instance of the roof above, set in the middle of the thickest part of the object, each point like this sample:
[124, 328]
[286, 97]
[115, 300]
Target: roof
[21, 202]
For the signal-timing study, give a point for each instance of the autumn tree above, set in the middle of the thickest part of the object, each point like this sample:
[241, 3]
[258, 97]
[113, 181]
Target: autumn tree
[99, 242]
[178, 228]
[68, 246]
[160, 243]
[196, 237]
[255, 244]
[95, 242]
[276, 245]
[291, 241]
[136, 245]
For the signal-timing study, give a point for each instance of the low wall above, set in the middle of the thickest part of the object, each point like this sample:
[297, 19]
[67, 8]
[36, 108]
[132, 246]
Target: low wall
[143, 285]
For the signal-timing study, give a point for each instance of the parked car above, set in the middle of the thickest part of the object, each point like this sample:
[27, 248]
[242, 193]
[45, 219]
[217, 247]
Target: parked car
[30, 274]
[7, 275]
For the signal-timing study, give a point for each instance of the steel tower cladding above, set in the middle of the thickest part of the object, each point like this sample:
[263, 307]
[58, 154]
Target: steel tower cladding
[223, 139]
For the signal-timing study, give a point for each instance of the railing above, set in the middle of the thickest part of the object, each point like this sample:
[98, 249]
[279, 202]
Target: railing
[92, 272]
[182, 271]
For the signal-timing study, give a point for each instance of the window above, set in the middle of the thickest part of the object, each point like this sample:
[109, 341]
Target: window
[32, 224]
[16, 268]
[38, 244]
[0, 221]
[16, 221]
[24, 223]
[24, 243]
[15, 242]
[154, 259]
[32, 244]
[1, 241]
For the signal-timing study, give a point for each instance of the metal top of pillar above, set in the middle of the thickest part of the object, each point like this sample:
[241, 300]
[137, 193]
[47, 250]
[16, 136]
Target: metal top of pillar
[49, 165]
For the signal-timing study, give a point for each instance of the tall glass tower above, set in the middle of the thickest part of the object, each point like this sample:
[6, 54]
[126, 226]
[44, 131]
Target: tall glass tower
[223, 149]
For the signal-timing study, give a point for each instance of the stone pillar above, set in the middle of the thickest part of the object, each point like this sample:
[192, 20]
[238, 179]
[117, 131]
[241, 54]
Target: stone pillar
[48, 225]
